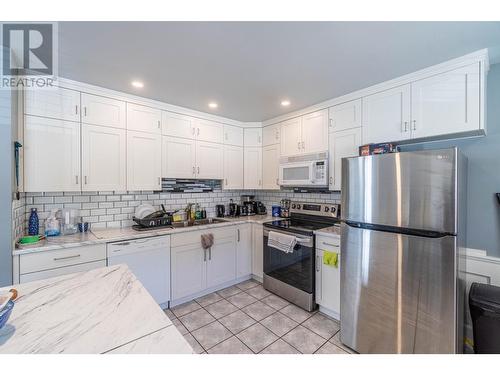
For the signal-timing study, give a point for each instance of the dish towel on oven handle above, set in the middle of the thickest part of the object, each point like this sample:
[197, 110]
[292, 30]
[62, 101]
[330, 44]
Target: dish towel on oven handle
[280, 241]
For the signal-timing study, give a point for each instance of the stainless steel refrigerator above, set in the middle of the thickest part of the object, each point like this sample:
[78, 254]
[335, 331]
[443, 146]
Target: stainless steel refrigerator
[403, 224]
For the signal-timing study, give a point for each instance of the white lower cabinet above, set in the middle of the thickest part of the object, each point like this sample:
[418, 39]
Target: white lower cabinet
[38, 266]
[51, 155]
[194, 270]
[270, 167]
[258, 250]
[103, 158]
[327, 278]
[343, 144]
[252, 161]
[143, 161]
[233, 167]
[244, 250]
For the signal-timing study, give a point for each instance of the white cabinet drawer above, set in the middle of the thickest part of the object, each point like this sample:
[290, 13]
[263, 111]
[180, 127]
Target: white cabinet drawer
[61, 271]
[61, 258]
[187, 238]
[328, 243]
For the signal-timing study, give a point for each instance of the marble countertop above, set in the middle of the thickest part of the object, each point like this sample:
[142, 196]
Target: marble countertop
[106, 310]
[333, 231]
[124, 234]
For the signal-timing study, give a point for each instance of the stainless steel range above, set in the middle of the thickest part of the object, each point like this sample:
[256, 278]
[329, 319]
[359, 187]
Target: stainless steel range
[291, 275]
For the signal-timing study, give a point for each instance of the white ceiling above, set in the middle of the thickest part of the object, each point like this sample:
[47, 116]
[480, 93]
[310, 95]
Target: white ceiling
[249, 67]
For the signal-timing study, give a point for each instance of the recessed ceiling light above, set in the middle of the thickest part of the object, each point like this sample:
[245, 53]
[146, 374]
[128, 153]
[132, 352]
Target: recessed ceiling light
[213, 105]
[285, 103]
[138, 84]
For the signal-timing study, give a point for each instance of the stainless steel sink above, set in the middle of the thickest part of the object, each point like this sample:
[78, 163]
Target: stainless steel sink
[209, 220]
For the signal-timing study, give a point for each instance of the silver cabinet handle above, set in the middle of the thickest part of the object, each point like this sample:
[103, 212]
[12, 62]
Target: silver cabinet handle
[331, 180]
[198, 131]
[194, 170]
[198, 170]
[277, 136]
[331, 123]
[318, 262]
[76, 109]
[259, 140]
[159, 124]
[209, 253]
[85, 111]
[121, 244]
[238, 234]
[204, 255]
[193, 130]
[298, 145]
[303, 145]
[405, 128]
[414, 124]
[159, 180]
[85, 180]
[277, 181]
[76, 177]
[330, 244]
[68, 257]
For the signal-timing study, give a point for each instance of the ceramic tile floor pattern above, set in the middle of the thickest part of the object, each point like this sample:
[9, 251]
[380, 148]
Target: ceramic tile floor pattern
[246, 319]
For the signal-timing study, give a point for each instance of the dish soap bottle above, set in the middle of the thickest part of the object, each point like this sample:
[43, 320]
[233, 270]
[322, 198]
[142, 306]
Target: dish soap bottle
[33, 223]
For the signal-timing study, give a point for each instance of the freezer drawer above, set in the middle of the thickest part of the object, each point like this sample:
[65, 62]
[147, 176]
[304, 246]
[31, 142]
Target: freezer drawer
[417, 190]
[398, 292]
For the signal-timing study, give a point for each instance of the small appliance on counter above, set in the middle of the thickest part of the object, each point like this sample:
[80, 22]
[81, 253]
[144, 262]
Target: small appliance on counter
[220, 210]
[234, 209]
[260, 209]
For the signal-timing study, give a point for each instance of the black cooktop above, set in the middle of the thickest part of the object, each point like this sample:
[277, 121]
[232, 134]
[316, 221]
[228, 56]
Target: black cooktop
[300, 225]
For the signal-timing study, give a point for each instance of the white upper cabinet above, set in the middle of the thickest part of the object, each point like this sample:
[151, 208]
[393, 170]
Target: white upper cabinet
[56, 102]
[446, 103]
[344, 143]
[143, 119]
[178, 157]
[253, 137]
[233, 167]
[209, 131]
[253, 168]
[386, 115]
[345, 116]
[143, 161]
[271, 135]
[209, 160]
[99, 110]
[233, 135]
[51, 155]
[291, 137]
[176, 125]
[315, 132]
[103, 158]
[270, 167]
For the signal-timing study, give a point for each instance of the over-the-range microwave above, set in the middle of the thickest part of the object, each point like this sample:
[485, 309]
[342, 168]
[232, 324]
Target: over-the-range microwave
[304, 170]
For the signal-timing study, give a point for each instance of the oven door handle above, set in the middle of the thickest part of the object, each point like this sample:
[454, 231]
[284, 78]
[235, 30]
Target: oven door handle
[300, 239]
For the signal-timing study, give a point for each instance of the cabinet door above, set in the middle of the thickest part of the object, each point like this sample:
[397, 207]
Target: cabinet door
[46, 274]
[176, 125]
[252, 161]
[315, 132]
[271, 135]
[270, 167]
[345, 116]
[51, 155]
[178, 157]
[143, 119]
[258, 250]
[209, 131]
[291, 137]
[233, 135]
[99, 110]
[446, 103]
[143, 161]
[103, 158]
[233, 167]
[58, 103]
[386, 115]
[327, 284]
[188, 270]
[343, 144]
[221, 262]
[209, 160]
[244, 250]
[253, 137]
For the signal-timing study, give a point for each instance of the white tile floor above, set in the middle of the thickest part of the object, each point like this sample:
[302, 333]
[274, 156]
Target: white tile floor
[246, 319]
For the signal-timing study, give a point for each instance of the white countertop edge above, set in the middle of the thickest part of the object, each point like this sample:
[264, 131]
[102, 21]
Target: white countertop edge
[109, 235]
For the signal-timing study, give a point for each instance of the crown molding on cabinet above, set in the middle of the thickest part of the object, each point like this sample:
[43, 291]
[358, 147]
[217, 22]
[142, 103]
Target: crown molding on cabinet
[136, 99]
[478, 56]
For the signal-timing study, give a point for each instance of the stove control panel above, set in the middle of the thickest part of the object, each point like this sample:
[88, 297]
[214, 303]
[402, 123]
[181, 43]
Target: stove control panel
[319, 209]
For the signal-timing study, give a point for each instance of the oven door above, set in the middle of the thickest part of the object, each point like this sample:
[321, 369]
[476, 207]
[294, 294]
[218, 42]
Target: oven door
[296, 268]
[297, 174]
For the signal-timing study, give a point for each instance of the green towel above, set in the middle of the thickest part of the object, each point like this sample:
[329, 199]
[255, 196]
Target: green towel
[331, 259]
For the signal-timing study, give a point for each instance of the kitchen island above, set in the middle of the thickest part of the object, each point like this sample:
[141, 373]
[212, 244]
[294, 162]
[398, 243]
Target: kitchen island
[105, 310]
